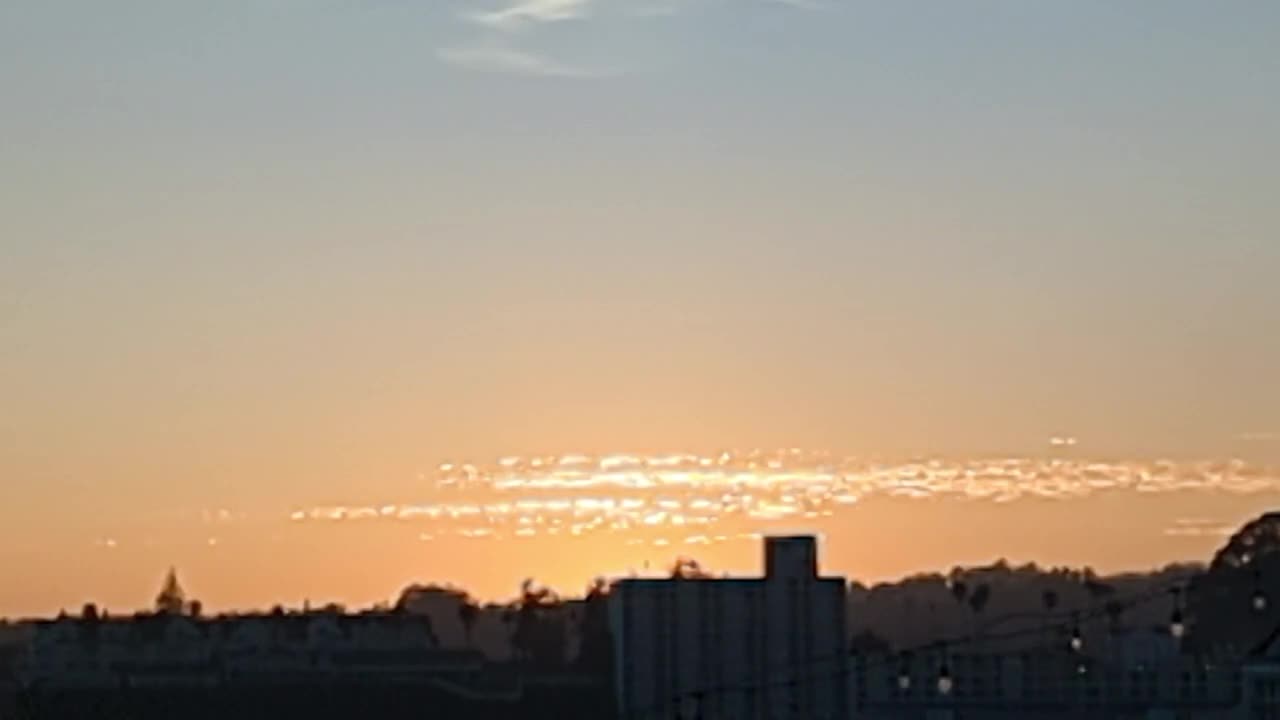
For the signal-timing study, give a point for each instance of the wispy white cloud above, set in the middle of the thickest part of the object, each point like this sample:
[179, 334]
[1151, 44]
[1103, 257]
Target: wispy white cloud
[506, 32]
[496, 59]
[497, 49]
[532, 11]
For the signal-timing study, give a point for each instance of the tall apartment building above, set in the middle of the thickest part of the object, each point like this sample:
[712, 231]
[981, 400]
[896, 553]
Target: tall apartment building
[769, 648]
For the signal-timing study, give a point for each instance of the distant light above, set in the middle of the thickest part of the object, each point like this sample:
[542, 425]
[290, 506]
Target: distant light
[904, 682]
[1177, 627]
[945, 683]
[1259, 601]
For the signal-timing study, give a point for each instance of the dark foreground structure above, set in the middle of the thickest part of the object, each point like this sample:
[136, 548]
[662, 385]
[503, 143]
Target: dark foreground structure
[312, 665]
[553, 701]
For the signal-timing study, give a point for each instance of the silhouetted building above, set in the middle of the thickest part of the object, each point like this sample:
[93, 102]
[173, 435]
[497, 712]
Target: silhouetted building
[183, 651]
[318, 665]
[734, 648]
[1261, 682]
[1040, 686]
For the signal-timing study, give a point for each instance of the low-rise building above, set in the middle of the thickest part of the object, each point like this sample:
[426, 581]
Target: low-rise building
[179, 650]
[1059, 684]
[734, 648]
[1261, 682]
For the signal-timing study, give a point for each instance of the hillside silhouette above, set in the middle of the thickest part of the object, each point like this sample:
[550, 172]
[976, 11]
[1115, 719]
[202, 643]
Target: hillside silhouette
[539, 627]
[542, 631]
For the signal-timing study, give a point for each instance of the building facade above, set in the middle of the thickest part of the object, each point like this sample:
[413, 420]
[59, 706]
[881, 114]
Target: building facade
[317, 665]
[1033, 685]
[182, 651]
[1261, 682]
[744, 648]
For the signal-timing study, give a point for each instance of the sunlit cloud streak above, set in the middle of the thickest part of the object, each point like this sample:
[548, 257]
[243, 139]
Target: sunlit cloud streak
[1199, 527]
[715, 498]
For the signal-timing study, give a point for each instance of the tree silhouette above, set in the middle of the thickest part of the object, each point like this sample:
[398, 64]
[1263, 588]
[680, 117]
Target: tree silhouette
[1115, 614]
[979, 599]
[432, 639]
[509, 622]
[536, 636]
[468, 613]
[90, 612]
[1097, 589]
[868, 643]
[1098, 592]
[171, 600]
[1049, 601]
[595, 656]
[1258, 539]
[1223, 604]
[686, 568]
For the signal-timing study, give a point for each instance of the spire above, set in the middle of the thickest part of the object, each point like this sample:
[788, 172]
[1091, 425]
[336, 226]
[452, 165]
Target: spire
[171, 600]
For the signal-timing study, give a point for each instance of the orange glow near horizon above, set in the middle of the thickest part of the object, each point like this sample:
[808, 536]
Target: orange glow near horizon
[315, 300]
[564, 519]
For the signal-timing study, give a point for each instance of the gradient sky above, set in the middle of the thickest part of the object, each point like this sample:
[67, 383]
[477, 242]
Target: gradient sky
[272, 253]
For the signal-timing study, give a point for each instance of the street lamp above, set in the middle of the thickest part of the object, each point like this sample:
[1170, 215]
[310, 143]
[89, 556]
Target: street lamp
[945, 683]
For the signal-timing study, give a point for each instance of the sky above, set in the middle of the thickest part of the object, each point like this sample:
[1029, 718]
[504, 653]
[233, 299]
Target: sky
[267, 255]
